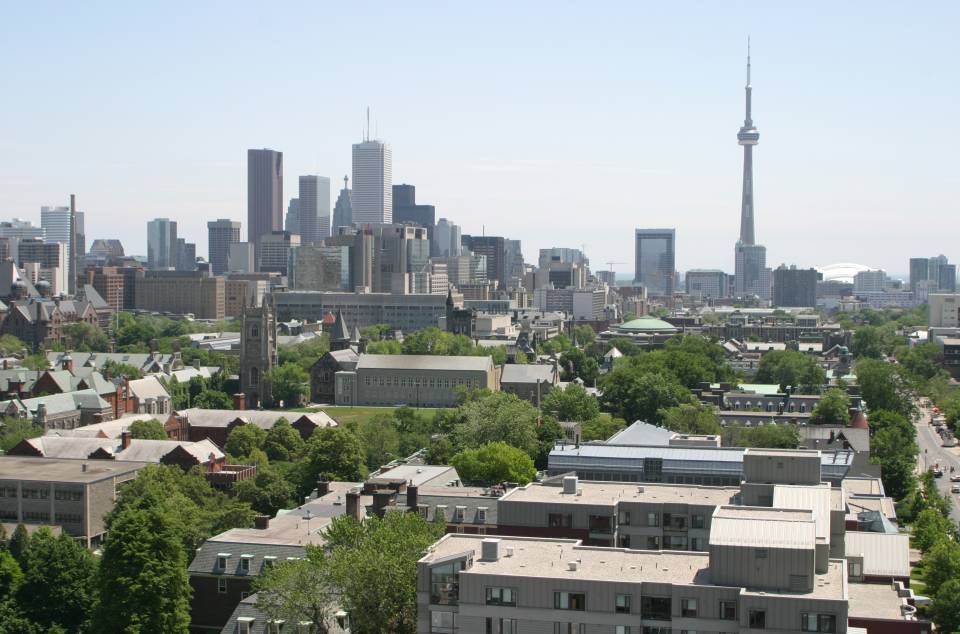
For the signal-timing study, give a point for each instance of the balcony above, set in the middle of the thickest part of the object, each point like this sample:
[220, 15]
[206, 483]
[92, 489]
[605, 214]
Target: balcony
[230, 474]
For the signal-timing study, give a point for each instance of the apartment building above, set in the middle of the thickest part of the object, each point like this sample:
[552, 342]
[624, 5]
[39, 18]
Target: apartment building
[181, 292]
[73, 494]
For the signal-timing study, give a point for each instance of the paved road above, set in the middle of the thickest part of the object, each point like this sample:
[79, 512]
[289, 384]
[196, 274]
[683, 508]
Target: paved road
[932, 452]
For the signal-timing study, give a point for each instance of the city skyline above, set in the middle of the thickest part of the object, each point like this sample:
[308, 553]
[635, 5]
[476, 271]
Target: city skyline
[613, 161]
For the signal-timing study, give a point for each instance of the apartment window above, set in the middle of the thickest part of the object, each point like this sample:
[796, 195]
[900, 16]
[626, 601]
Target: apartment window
[444, 583]
[653, 519]
[243, 625]
[688, 607]
[760, 553]
[441, 621]
[222, 585]
[274, 627]
[757, 619]
[570, 601]
[625, 518]
[502, 596]
[36, 516]
[623, 629]
[655, 608]
[624, 541]
[68, 496]
[500, 626]
[269, 561]
[569, 628]
[481, 515]
[854, 569]
[622, 604]
[674, 542]
[818, 622]
[696, 543]
[697, 521]
[728, 610]
[653, 543]
[222, 562]
[245, 563]
[559, 520]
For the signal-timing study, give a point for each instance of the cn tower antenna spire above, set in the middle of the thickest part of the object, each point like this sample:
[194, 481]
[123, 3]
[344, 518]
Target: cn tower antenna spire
[748, 60]
[748, 136]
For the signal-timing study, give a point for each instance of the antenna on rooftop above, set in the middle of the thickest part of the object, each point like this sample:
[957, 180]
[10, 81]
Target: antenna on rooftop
[367, 137]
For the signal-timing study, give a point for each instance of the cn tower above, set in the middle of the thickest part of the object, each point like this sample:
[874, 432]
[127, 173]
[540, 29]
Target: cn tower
[747, 137]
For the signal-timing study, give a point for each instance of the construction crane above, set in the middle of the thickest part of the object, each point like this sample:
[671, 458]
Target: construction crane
[610, 264]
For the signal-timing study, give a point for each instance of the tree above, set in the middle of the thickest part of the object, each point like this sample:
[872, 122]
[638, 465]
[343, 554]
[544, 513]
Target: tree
[333, 453]
[288, 383]
[571, 404]
[10, 575]
[213, 399]
[13, 430]
[833, 408]
[305, 354]
[268, 492]
[576, 364]
[941, 563]
[19, 542]
[585, 335]
[601, 427]
[243, 439]
[376, 570]
[635, 395]
[380, 440]
[10, 345]
[867, 342]
[148, 430]
[790, 368]
[384, 346]
[498, 417]
[929, 529]
[116, 369]
[946, 606]
[143, 574]
[893, 446]
[86, 337]
[765, 436]
[57, 585]
[35, 362]
[495, 462]
[283, 442]
[691, 418]
[298, 590]
[883, 387]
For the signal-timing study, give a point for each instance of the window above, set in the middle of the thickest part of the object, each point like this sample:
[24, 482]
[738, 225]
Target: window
[760, 553]
[697, 521]
[254, 376]
[622, 604]
[444, 583]
[674, 542]
[501, 596]
[559, 520]
[653, 519]
[854, 569]
[728, 610]
[442, 621]
[757, 619]
[481, 515]
[500, 626]
[269, 561]
[623, 629]
[274, 627]
[570, 601]
[688, 607]
[222, 585]
[653, 543]
[569, 628]
[245, 563]
[624, 541]
[222, 561]
[818, 622]
[625, 518]
[243, 625]
[696, 543]
[655, 608]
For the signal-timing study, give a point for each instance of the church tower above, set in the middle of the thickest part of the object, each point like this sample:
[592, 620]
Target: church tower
[258, 351]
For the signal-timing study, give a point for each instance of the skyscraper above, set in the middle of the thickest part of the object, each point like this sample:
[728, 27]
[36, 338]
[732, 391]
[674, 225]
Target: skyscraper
[264, 193]
[406, 209]
[162, 243]
[55, 222]
[795, 287]
[372, 198]
[291, 223]
[751, 275]
[220, 235]
[343, 210]
[446, 239]
[655, 260]
[314, 208]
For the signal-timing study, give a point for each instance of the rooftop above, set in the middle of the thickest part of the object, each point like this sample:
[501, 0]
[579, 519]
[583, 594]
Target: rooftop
[63, 470]
[614, 492]
[423, 362]
[884, 554]
[874, 601]
[763, 528]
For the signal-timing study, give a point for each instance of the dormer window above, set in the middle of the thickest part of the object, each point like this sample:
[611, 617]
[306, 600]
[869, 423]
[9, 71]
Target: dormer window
[481, 515]
[269, 561]
[245, 563]
[245, 624]
[222, 559]
[459, 513]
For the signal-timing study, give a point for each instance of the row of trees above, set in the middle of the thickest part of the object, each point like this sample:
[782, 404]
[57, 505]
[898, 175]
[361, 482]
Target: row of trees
[936, 535]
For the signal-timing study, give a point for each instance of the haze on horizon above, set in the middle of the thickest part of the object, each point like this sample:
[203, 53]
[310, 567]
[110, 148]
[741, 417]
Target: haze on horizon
[556, 125]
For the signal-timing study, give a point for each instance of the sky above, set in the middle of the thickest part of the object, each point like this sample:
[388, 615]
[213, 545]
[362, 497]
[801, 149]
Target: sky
[556, 123]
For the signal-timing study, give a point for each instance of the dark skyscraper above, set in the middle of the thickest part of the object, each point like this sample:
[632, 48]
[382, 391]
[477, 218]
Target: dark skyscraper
[343, 210]
[406, 209]
[655, 261]
[220, 235]
[264, 193]
[494, 249]
[793, 287]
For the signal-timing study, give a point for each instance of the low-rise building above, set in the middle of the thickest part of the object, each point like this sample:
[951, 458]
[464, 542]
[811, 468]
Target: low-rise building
[73, 494]
[196, 424]
[531, 382]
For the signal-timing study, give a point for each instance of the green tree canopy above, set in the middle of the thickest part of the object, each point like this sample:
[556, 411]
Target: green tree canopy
[790, 368]
[288, 383]
[946, 606]
[10, 575]
[572, 403]
[283, 442]
[633, 394]
[85, 337]
[601, 427]
[941, 562]
[833, 408]
[14, 430]
[268, 492]
[10, 345]
[883, 387]
[19, 542]
[498, 417]
[333, 453]
[57, 585]
[243, 439]
[495, 462]
[867, 342]
[213, 399]
[691, 418]
[765, 436]
[150, 429]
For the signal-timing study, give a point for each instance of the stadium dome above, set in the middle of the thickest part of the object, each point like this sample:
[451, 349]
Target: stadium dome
[842, 271]
[646, 324]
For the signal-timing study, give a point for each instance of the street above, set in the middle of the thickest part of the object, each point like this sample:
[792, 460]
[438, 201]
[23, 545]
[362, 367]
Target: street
[932, 452]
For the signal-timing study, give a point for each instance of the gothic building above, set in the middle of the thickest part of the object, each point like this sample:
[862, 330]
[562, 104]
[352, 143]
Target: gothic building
[258, 351]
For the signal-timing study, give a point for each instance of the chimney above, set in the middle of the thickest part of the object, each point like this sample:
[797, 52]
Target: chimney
[125, 438]
[196, 363]
[413, 496]
[381, 500]
[323, 487]
[261, 522]
[490, 549]
[353, 505]
[41, 413]
[570, 485]
[239, 401]
[67, 362]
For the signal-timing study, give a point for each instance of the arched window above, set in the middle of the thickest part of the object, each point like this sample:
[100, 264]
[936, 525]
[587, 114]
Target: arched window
[254, 376]
[254, 331]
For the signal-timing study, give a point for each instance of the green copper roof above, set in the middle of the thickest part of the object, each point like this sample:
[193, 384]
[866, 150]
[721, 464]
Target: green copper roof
[646, 324]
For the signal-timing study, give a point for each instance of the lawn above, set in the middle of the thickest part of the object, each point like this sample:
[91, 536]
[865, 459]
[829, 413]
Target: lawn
[345, 415]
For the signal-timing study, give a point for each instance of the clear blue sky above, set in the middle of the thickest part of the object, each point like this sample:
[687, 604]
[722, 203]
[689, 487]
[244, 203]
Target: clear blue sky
[556, 123]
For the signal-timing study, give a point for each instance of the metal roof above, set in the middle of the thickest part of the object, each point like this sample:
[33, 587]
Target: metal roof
[756, 528]
[884, 554]
[641, 433]
[423, 362]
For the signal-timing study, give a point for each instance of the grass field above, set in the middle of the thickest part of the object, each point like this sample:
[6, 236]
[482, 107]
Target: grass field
[360, 414]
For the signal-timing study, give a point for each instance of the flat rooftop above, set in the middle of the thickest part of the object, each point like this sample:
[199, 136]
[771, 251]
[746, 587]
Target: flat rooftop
[613, 492]
[763, 528]
[548, 558]
[874, 601]
[862, 486]
[63, 469]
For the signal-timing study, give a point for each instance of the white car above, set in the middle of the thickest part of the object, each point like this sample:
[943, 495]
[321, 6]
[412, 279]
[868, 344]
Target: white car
[955, 477]
[955, 488]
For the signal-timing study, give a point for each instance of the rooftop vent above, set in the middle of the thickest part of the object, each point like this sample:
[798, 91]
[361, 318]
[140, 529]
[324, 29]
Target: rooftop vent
[572, 566]
[570, 484]
[490, 549]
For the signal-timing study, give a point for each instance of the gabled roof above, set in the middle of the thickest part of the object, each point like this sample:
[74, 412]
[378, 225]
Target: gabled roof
[265, 419]
[59, 403]
[641, 433]
[423, 362]
[884, 554]
[63, 447]
[528, 373]
[339, 332]
[148, 387]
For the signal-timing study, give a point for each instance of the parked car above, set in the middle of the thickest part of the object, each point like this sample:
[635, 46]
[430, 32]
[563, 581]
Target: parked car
[955, 488]
[955, 477]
